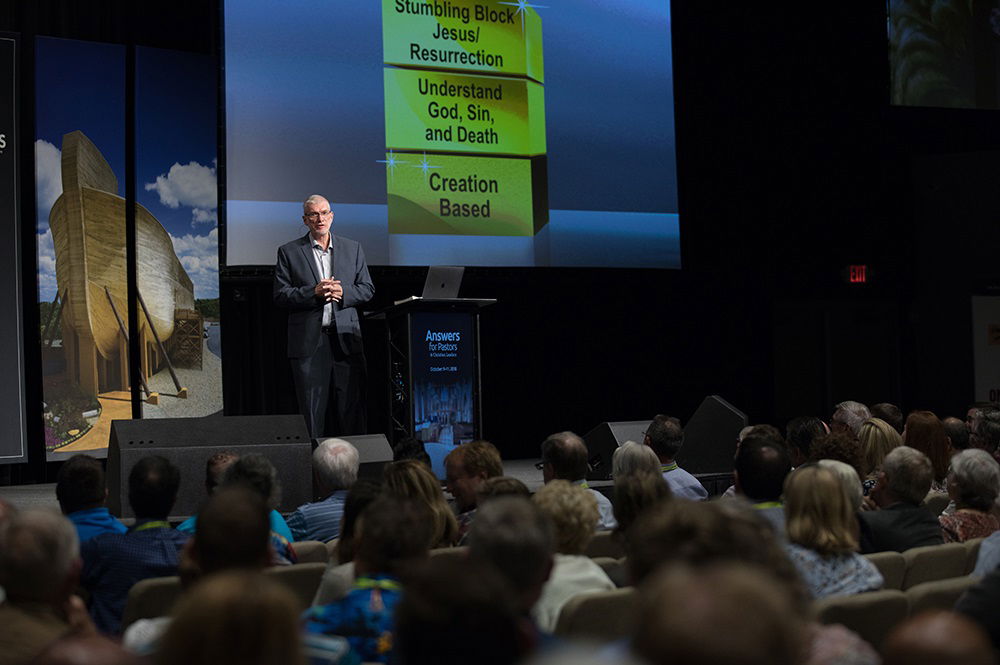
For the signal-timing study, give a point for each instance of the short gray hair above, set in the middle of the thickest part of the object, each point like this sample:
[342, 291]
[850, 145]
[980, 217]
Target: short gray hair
[849, 480]
[336, 463]
[37, 550]
[313, 198]
[976, 476]
[855, 414]
[908, 473]
[631, 457]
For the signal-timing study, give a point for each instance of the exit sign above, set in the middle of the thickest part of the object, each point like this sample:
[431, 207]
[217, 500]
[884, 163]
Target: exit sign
[857, 274]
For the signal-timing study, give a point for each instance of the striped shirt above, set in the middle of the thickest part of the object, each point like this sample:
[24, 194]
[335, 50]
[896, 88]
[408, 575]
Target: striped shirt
[319, 520]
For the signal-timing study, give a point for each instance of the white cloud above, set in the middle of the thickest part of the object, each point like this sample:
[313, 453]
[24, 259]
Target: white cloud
[190, 184]
[47, 286]
[199, 216]
[200, 257]
[48, 178]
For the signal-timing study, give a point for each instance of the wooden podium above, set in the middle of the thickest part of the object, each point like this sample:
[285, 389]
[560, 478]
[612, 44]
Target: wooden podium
[430, 376]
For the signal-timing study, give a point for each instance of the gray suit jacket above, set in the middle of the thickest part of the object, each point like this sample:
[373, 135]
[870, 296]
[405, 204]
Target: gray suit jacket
[295, 277]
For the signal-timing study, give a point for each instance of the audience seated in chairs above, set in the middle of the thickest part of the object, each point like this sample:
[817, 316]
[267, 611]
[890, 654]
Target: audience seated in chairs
[840, 446]
[39, 569]
[502, 486]
[665, 437]
[466, 468]
[215, 471]
[822, 534]
[339, 574]
[564, 457]
[113, 562]
[800, 433]
[889, 414]
[335, 465]
[81, 492]
[901, 523]
[256, 473]
[938, 638]
[973, 484]
[634, 493]
[573, 513]
[410, 479]
[848, 417]
[761, 466]
[924, 432]
[631, 457]
[877, 438]
[395, 534]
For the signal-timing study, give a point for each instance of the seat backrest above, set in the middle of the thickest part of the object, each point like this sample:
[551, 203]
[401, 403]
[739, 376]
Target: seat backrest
[614, 569]
[151, 598]
[601, 616]
[605, 544]
[331, 551]
[937, 595]
[871, 615]
[311, 551]
[972, 554]
[934, 562]
[450, 552]
[936, 502]
[302, 579]
[892, 565]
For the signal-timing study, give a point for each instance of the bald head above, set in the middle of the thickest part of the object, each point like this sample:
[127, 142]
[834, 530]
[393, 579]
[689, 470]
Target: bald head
[564, 457]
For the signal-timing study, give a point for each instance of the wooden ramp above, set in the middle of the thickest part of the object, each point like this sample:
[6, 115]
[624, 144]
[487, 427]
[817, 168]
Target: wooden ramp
[115, 405]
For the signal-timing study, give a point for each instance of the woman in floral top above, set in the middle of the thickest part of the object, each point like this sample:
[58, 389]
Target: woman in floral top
[973, 484]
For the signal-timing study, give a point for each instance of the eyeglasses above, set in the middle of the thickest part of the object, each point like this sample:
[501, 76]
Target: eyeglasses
[317, 215]
[540, 465]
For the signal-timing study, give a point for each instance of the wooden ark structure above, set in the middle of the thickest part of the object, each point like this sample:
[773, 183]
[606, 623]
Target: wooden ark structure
[88, 231]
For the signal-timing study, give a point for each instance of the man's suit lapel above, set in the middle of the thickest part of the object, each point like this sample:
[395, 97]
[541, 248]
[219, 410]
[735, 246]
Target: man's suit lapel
[339, 269]
[309, 257]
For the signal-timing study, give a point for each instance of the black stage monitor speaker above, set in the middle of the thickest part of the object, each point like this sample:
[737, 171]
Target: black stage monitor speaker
[605, 438]
[189, 442]
[374, 452]
[710, 437]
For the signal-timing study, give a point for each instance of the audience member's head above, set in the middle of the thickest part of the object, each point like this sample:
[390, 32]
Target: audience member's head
[234, 618]
[938, 638]
[502, 486]
[760, 469]
[890, 414]
[665, 437]
[80, 484]
[233, 531]
[152, 487]
[730, 613]
[216, 467]
[974, 480]
[849, 481]
[459, 612]
[335, 463]
[985, 429]
[818, 512]
[467, 467]
[631, 457]
[763, 432]
[564, 457]
[86, 649]
[848, 416]
[877, 438]
[410, 448]
[410, 479]
[799, 436]
[906, 477]
[957, 432]
[573, 513]
[392, 534]
[634, 493]
[39, 557]
[840, 446]
[513, 536]
[358, 497]
[256, 472]
[925, 432]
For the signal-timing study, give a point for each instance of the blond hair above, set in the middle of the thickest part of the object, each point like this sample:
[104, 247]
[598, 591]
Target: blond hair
[818, 513]
[572, 511]
[410, 479]
[877, 438]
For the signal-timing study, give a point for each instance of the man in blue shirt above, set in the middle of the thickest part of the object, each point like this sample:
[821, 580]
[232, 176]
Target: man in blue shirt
[335, 468]
[665, 436]
[113, 562]
[81, 493]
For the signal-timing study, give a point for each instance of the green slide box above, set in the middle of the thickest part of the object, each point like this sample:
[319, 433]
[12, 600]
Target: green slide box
[462, 113]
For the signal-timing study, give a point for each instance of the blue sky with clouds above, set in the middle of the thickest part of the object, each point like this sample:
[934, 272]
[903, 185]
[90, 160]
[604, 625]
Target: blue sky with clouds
[81, 86]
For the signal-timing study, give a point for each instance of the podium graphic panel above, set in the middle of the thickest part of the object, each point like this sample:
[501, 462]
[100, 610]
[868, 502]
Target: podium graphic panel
[443, 376]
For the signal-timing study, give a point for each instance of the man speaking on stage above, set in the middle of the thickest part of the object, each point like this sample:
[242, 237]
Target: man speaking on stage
[321, 278]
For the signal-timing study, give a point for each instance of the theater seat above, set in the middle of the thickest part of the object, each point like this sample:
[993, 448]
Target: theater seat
[602, 616]
[972, 554]
[151, 598]
[934, 562]
[302, 579]
[892, 565]
[613, 568]
[871, 615]
[936, 502]
[938, 595]
[606, 545]
[311, 551]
